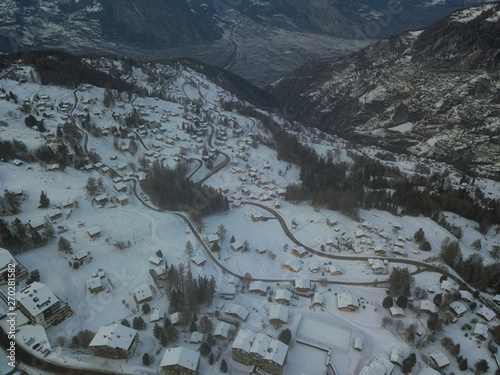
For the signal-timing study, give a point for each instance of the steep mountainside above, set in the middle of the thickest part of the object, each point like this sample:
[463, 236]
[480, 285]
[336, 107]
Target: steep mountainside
[94, 25]
[435, 92]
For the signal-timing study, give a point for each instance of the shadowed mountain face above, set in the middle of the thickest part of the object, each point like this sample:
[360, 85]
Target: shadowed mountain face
[434, 92]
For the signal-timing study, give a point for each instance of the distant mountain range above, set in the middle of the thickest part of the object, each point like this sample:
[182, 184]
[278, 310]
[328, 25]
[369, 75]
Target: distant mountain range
[433, 92]
[258, 39]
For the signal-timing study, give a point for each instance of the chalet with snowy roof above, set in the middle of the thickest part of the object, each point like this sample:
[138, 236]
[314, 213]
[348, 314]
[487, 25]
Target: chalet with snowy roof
[292, 265]
[302, 285]
[212, 239]
[94, 285]
[156, 315]
[6, 259]
[196, 337]
[396, 357]
[446, 286]
[439, 360]
[155, 261]
[258, 287]
[428, 306]
[486, 313]
[54, 214]
[176, 318]
[397, 312]
[346, 302]
[314, 267]
[41, 306]
[199, 260]
[227, 291]
[332, 269]
[458, 308]
[114, 341]
[101, 199]
[180, 361]
[466, 296]
[377, 266]
[143, 293]
[481, 331]
[299, 251]
[222, 330]
[122, 199]
[240, 351]
[237, 246]
[318, 299]
[259, 348]
[278, 314]
[359, 234]
[236, 311]
[94, 232]
[283, 296]
[496, 299]
[380, 366]
[37, 224]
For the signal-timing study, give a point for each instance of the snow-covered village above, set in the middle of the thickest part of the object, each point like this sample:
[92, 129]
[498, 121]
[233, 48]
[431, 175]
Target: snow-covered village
[162, 222]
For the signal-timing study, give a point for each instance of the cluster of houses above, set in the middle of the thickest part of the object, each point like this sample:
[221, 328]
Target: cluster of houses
[259, 350]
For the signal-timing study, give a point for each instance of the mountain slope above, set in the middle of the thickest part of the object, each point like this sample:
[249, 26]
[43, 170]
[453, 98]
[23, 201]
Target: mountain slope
[434, 92]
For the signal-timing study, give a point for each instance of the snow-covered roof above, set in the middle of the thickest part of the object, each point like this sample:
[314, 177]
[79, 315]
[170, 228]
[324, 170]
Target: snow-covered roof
[279, 312]
[261, 344]
[80, 255]
[299, 250]
[175, 318]
[440, 358]
[198, 260]
[244, 340]
[36, 298]
[95, 230]
[481, 330]
[313, 267]
[155, 260]
[114, 336]
[260, 286]
[318, 298]
[211, 238]
[486, 313]
[345, 300]
[196, 337]
[293, 264]
[142, 292]
[458, 308]
[54, 212]
[446, 285]
[283, 294]
[331, 268]
[427, 305]
[237, 245]
[496, 299]
[396, 311]
[466, 295]
[101, 197]
[156, 315]
[94, 283]
[276, 352]
[222, 329]
[6, 258]
[226, 290]
[181, 356]
[237, 310]
[302, 283]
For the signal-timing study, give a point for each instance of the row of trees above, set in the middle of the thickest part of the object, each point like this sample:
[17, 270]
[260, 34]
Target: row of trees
[471, 269]
[367, 183]
[18, 237]
[170, 189]
[188, 293]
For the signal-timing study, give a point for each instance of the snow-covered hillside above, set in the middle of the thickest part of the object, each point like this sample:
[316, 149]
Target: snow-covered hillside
[112, 138]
